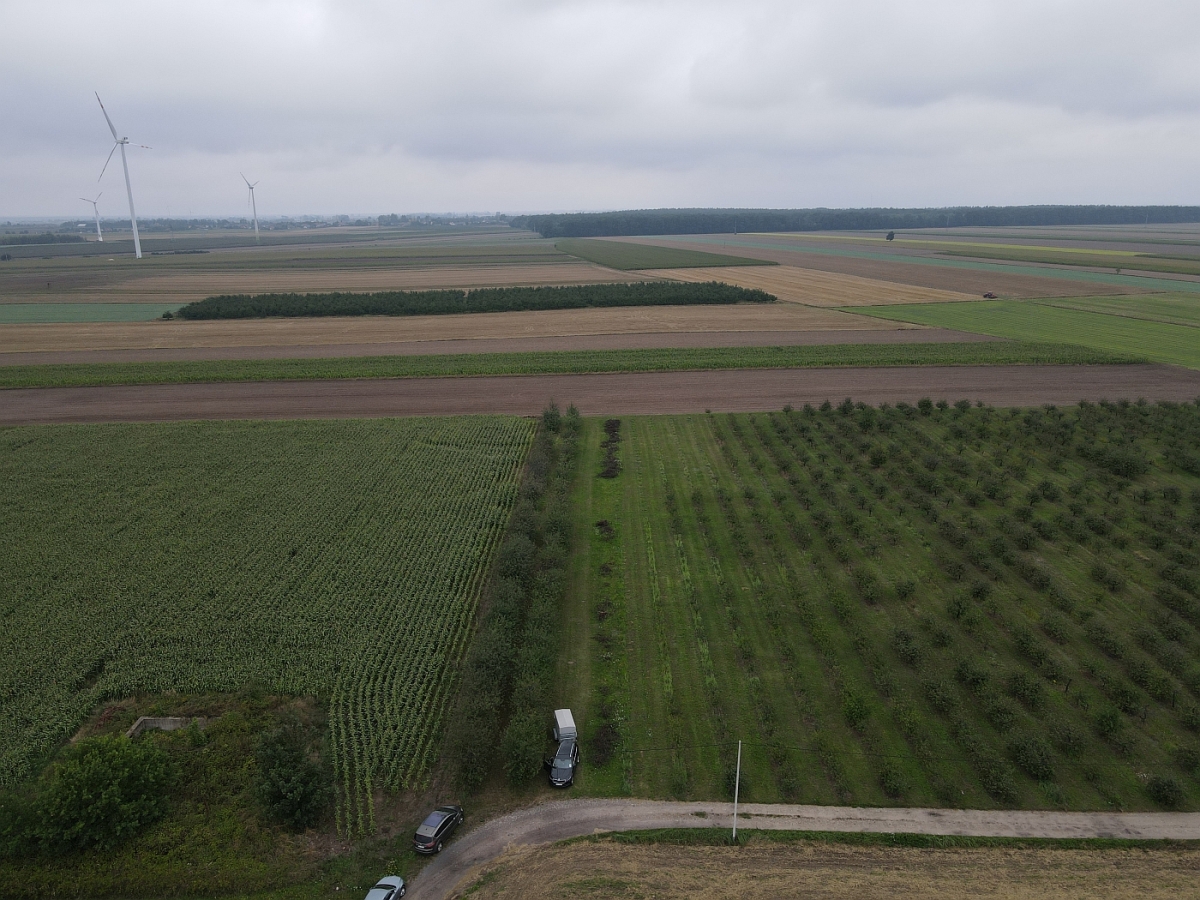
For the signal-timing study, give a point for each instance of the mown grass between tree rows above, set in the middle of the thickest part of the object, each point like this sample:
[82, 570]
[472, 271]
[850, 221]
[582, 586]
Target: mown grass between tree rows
[931, 605]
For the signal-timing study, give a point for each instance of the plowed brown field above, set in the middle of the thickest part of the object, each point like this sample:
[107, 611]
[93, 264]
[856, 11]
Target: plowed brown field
[823, 870]
[634, 393]
[382, 329]
[816, 288]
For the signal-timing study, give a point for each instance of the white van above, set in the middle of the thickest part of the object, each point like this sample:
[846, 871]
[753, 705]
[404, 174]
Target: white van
[564, 725]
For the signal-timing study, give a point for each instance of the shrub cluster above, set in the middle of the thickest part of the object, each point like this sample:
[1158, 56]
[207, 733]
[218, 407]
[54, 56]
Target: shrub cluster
[507, 673]
[507, 299]
[611, 467]
[293, 783]
[100, 792]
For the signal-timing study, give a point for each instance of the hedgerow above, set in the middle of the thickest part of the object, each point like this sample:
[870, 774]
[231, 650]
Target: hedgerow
[507, 299]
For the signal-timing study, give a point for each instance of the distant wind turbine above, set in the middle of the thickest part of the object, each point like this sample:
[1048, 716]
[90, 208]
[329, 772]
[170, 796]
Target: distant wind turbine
[121, 142]
[96, 210]
[253, 205]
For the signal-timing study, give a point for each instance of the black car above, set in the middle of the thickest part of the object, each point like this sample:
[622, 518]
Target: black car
[437, 828]
[563, 764]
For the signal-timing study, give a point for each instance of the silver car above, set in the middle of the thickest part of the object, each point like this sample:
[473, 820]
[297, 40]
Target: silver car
[390, 887]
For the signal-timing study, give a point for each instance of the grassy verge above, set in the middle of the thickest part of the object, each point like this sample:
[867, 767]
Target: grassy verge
[947, 607]
[563, 362]
[625, 256]
[1157, 341]
[719, 837]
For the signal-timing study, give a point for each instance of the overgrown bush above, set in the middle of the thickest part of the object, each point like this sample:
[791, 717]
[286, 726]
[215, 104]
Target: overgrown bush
[1165, 790]
[293, 783]
[101, 791]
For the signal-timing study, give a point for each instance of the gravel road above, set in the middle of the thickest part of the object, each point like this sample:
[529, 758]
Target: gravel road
[557, 821]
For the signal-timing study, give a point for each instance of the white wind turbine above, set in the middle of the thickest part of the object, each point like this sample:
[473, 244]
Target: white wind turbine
[253, 205]
[96, 210]
[121, 142]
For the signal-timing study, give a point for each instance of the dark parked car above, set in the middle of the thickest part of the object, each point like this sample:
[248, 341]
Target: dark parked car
[563, 764]
[437, 828]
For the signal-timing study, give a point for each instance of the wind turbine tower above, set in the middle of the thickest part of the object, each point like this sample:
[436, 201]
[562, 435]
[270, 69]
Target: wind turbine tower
[253, 205]
[121, 142]
[96, 210]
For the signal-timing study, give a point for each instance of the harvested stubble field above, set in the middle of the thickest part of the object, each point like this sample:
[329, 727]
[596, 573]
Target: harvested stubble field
[620, 393]
[947, 606]
[379, 329]
[624, 255]
[185, 287]
[824, 871]
[1160, 341]
[322, 263]
[204, 557]
[816, 288]
[957, 275]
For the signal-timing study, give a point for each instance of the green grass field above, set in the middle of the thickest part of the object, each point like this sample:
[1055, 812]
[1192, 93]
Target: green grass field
[626, 256]
[472, 364]
[1175, 309]
[341, 560]
[1060, 256]
[967, 608]
[39, 313]
[1024, 321]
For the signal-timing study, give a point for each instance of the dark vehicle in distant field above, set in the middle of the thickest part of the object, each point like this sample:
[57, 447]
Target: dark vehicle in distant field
[563, 764]
[390, 887]
[437, 828]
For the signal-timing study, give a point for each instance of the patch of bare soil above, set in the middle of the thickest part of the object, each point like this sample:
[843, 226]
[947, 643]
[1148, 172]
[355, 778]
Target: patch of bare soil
[473, 326]
[806, 869]
[600, 394]
[813, 287]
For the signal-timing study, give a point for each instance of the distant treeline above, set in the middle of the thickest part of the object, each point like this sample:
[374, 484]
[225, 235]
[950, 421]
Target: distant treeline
[723, 221]
[12, 240]
[427, 303]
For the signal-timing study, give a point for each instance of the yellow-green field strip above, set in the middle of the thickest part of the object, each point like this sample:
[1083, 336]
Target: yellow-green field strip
[562, 362]
[1156, 341]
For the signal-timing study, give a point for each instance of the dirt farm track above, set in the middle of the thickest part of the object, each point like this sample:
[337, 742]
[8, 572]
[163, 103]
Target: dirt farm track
[598, 394]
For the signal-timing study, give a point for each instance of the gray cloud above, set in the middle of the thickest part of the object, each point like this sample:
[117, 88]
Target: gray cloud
[534, 104]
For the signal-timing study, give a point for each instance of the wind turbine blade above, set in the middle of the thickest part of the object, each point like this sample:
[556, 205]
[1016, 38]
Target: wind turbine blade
[107, 161]
[245, 179]
[86, 200]
[143, 146]
[111, 127]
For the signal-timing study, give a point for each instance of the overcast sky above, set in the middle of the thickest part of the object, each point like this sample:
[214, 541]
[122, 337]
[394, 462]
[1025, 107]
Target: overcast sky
[369, 107]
